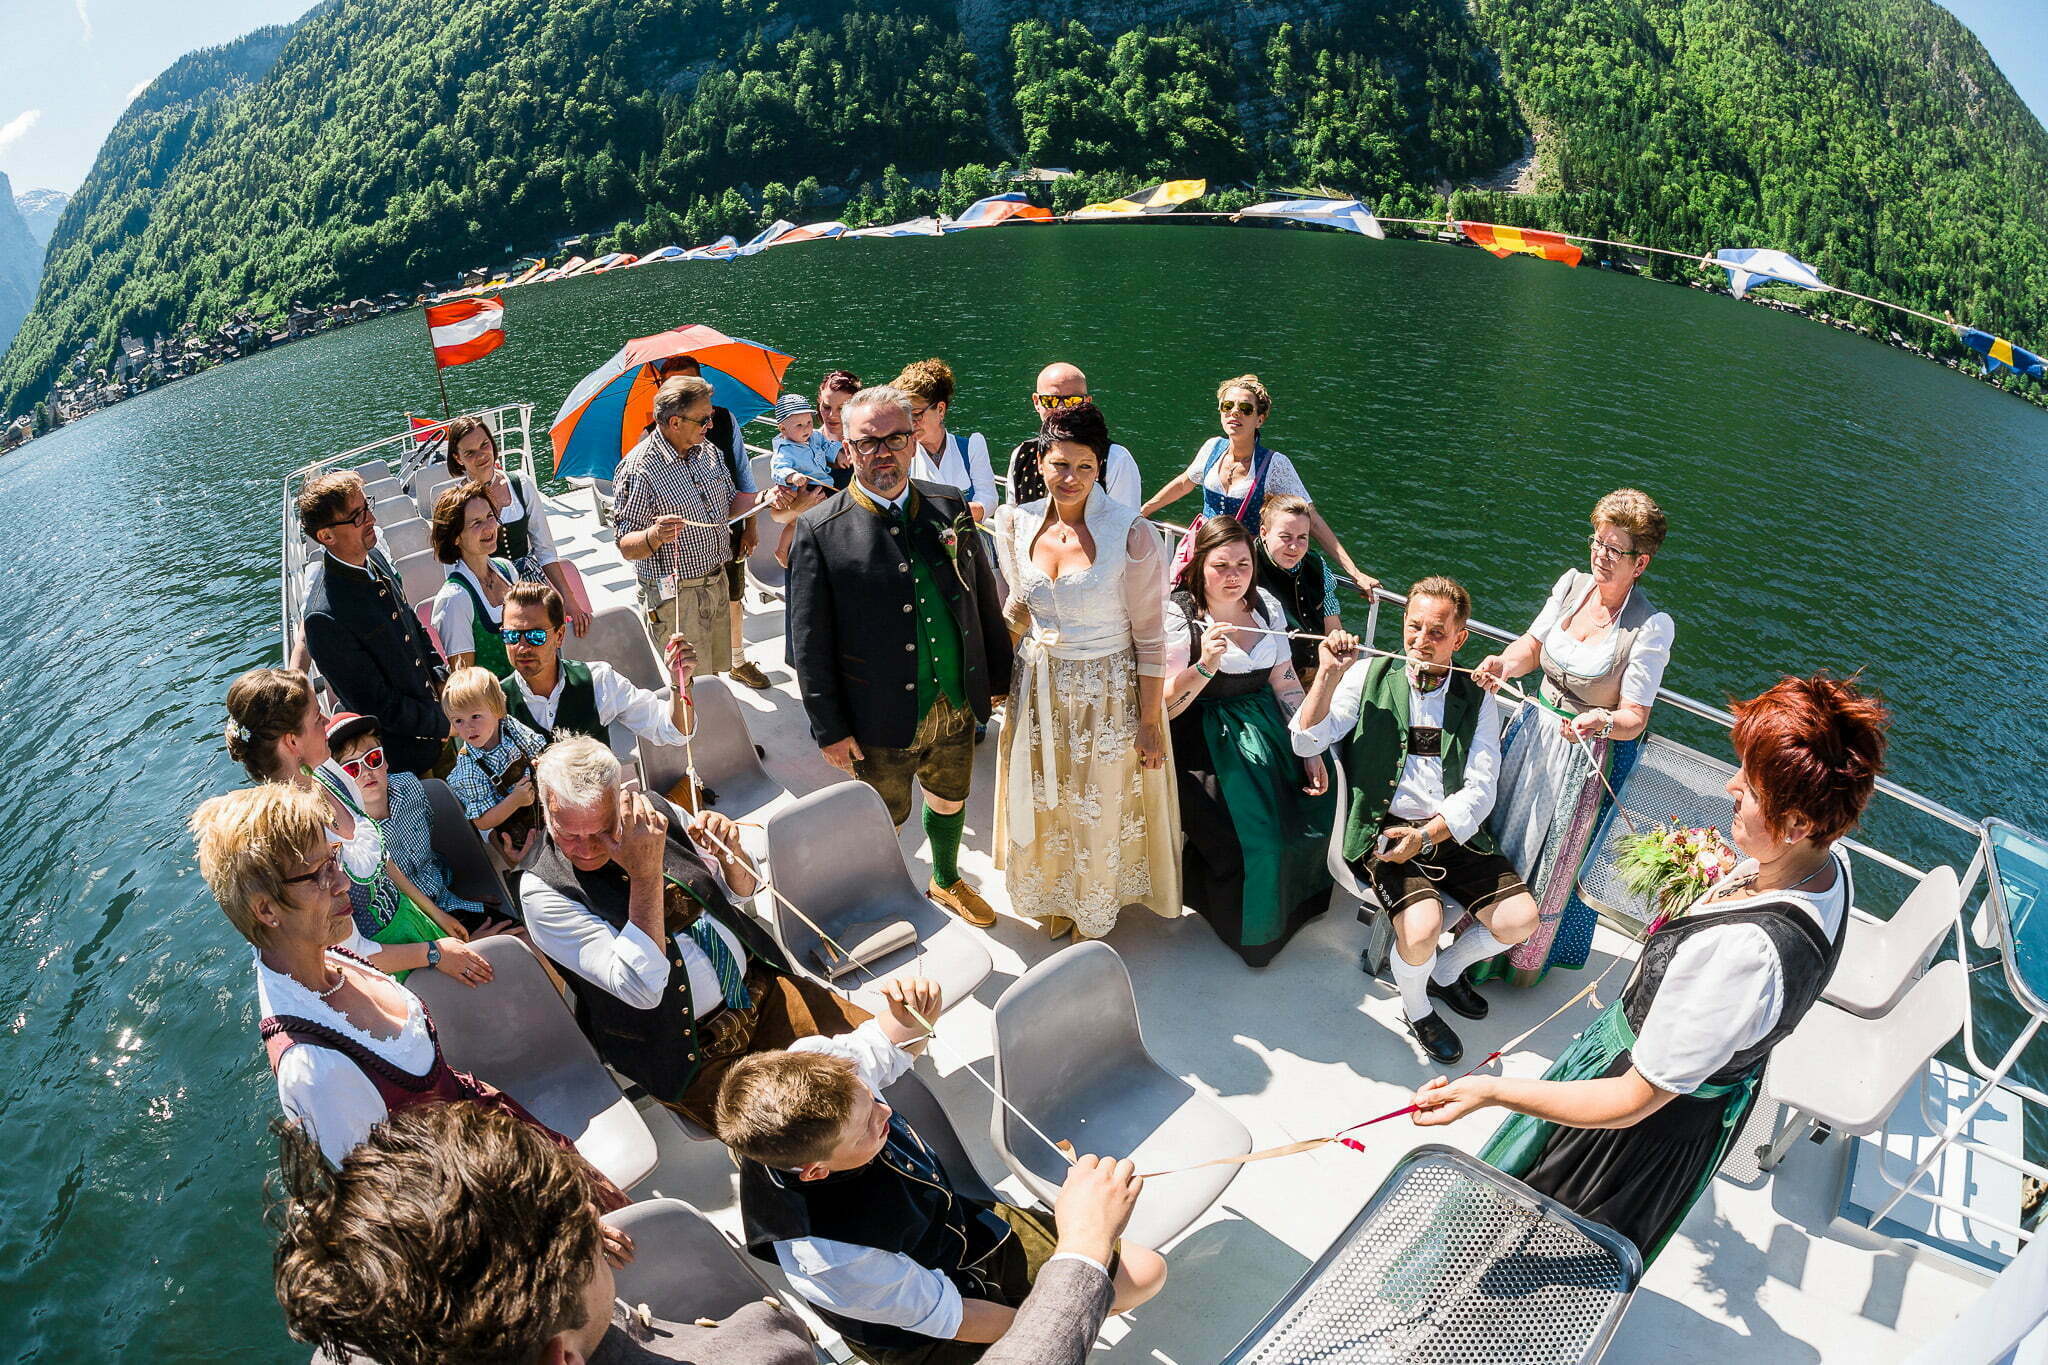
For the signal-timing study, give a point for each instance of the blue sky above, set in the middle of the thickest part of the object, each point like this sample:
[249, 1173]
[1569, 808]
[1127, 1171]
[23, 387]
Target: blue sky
[69, 67]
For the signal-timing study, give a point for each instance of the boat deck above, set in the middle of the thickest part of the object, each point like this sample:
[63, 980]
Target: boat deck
[1306, 1046]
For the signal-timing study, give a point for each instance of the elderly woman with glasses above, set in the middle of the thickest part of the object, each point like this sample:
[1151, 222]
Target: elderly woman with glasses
[278, 733]
[348, 1045]
[1602, 647]
[1237, 471]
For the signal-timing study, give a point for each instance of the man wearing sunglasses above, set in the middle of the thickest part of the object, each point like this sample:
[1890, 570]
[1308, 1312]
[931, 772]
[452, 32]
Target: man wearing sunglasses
[896, 634]
[363, 635]
[548, 693]
[1060, 386]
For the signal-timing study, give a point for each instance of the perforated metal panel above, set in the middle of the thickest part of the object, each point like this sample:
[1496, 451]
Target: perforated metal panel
[1453, 1262]
[1668, 782]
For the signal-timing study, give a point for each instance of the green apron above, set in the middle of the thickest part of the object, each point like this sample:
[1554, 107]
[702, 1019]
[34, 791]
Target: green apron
[408, 924]
[1281, 830]
[1518, 1143]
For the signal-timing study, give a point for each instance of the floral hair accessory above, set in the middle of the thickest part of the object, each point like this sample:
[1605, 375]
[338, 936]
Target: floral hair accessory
[243, 733]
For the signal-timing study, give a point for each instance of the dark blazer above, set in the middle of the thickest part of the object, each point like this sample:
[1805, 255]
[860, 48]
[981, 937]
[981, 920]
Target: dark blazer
[852, 629]
[373, 651]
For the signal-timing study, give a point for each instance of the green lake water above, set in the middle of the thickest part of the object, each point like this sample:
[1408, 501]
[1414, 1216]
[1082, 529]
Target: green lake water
[1832, 502]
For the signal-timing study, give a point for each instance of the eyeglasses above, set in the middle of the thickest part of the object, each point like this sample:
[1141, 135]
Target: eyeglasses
[529, 637]
[1602, 550]
[1242, 407]
[359, 517]
[703, 421]
[373, 761]
[917, 414]
[1054, 402]
[327, 869]
[875, 445]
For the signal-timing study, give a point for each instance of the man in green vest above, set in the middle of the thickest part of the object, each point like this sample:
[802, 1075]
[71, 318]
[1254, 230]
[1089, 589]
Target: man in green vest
[1420, 745]
[558, 696]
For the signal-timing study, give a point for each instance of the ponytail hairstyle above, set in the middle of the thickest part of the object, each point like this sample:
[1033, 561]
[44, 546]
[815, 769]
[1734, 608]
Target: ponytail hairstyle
[265, 705]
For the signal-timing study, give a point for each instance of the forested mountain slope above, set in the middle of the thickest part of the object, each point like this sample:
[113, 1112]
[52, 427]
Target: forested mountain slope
[381, 143]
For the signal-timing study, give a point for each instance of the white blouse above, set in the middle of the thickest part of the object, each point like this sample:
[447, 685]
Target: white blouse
[1280, 475]
[1644, 673]
[961, 465]
[324, 1089]
[1116, 603]
[1725, 988]
[1265, 651]
[540, 540]
[455, 613]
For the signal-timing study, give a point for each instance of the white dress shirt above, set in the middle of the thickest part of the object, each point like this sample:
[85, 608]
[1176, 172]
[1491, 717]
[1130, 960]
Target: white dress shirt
[625, 963]
[961, 465]
[454, 611]
[866, 1283]
[645, 713]
[1420, 792]
[1725, 987]
[322, 1088]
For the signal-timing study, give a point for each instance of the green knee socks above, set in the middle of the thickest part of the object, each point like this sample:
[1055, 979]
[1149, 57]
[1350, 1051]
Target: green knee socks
[944, 831]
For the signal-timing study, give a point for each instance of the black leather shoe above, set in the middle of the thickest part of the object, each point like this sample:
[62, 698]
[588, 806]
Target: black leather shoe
[1462, 997]
[1438, 1039]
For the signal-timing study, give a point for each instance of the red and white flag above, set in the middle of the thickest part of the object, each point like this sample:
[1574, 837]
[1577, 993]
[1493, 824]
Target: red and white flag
[465, 330]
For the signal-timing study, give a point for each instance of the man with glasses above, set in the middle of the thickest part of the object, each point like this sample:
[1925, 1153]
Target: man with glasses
[896, 634]
[672, 498]
[364, 637]
[1061, 385]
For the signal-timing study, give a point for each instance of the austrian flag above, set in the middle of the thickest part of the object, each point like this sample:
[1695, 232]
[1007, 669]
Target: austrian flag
[465, 330]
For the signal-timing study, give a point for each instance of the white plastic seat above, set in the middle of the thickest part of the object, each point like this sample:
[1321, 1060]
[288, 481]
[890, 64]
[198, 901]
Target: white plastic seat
[618, 637]
[471, 873]
[1881, 958]
[430, 483]
[834, 853]
[682, 1267]
[421, 575]
[515, 1032]
[402, 538]
[909, 1096]
[1850, 1072]
[1070, 1055]
[382, 490]
[769, 578]
[373, 471]
[1345, 882]
[726, 761]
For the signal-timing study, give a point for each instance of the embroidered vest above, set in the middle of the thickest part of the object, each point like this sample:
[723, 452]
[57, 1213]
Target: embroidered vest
[1576, 692]
[900, 1202]
[939, 651]
[577, 713]
[1378, 748]
[655, 1047]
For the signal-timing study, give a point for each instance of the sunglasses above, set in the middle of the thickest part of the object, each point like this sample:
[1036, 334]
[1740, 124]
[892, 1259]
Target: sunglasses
[1237, 405]
[528, 637]
[1056, 401]
[325, 870]
[372, 761]
[875, 445]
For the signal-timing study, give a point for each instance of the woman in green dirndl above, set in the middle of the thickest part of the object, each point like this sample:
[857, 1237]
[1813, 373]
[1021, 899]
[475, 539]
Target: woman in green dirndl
[1256, 817]
[469, 611]
[1630, 1124]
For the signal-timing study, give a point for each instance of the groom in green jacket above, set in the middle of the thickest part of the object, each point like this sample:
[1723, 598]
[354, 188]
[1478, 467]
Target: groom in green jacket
[1420, 745]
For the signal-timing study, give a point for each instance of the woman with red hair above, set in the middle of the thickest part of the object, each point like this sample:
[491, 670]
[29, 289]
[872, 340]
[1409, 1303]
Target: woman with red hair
[1633, 1120]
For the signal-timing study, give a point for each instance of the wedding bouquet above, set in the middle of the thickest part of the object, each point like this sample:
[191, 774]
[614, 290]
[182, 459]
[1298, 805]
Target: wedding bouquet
[1672, 866]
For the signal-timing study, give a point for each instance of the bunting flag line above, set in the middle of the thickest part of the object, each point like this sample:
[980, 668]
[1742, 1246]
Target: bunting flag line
[1999, 354]
[466, 330]
[1508, 241]
[1160, 198]
[998, 208]
[1347, 215]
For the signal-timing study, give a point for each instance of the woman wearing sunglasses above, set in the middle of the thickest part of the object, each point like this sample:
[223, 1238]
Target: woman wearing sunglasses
[1237, 470]
[1601, 645]
[277, 732]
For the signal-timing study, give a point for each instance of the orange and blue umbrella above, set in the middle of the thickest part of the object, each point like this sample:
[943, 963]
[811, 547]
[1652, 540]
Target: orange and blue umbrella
[606, 415]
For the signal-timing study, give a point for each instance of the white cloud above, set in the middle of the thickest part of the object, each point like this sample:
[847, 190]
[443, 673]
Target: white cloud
[84, 19]
[17, 127]
[140, 86]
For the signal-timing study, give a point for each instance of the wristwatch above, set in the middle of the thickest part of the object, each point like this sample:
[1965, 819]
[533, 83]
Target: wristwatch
[434, 954]
[1428, 846]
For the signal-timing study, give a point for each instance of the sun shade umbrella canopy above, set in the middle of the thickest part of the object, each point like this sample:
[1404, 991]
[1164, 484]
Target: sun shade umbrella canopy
[605, 415]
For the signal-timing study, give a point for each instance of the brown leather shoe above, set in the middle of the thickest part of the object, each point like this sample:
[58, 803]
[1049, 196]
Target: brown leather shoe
[964, 901]
[747, 673]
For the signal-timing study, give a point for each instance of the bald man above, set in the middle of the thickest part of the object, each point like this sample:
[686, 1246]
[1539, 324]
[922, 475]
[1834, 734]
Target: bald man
[1060, 384]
